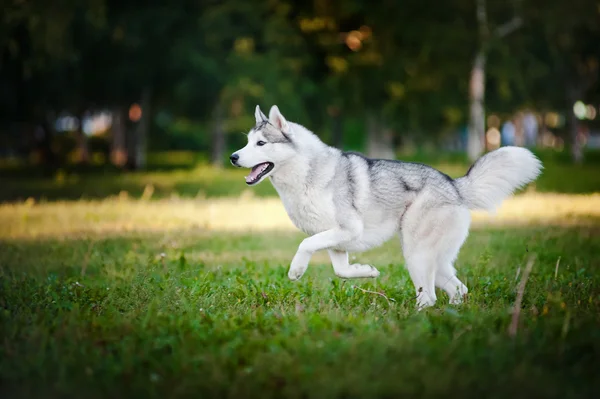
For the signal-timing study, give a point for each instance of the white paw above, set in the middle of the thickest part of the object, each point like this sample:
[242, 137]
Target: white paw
[459, 296]
[299, 265]
[424, 301]
[295, 273]
[364, 270]
[358, 271]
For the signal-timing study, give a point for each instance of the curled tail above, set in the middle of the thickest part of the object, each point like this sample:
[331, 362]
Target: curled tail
[496, 175]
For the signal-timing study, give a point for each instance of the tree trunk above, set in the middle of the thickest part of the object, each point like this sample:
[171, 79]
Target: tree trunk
[476, 129]
[83, 154]
[218, 137]
[49, 157]
[141, 132]
[130, 147]
[476, 132]
[576, 148]
[118, 151]
[380, 143]
[476, 135]
[573, 95]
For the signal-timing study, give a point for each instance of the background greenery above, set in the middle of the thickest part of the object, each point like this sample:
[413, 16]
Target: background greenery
[345, 69]
[134, 264]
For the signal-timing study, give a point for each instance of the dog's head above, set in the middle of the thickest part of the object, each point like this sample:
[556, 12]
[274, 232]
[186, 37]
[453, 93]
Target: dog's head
[269, 145]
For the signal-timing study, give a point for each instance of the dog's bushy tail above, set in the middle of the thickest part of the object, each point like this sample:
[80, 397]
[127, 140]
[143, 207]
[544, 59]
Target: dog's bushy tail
[496, 175]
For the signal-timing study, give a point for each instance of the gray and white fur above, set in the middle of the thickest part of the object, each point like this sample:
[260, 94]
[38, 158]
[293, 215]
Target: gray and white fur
[347, 202]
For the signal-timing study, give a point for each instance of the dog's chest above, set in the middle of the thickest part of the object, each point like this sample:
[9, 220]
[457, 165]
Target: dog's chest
[310, 212]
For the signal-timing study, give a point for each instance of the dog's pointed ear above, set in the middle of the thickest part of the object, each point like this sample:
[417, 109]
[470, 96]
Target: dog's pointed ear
[278, 120]
[258, 114]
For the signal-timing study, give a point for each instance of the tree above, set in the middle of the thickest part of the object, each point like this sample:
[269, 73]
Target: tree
[476, 132]
[399, 69]
[37, 51]
[572, 34]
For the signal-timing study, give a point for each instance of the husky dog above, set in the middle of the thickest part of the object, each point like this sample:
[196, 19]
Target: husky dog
[347, 202]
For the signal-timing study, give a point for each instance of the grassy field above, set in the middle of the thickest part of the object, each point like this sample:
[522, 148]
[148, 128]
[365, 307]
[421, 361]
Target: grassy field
[188, 297]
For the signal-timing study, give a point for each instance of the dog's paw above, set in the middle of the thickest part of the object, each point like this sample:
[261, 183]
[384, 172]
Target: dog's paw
[295, 273]
[359, 271]
[459, 296]
[424, 301]
[364, 270]
[299, 265]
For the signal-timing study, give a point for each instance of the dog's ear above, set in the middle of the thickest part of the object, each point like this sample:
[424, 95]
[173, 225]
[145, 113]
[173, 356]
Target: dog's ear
[258, 114]
[278, 120]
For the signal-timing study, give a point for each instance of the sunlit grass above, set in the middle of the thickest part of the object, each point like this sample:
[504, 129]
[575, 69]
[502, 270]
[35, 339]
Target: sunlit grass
[244, 213]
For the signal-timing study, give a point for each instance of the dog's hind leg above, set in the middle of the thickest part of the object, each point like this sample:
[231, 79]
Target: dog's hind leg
[423, 235]
[446, 279]
[342, 269]
[421, 267]
[456, 231]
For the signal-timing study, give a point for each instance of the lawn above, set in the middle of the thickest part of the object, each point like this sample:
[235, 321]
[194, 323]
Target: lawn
[189, 297]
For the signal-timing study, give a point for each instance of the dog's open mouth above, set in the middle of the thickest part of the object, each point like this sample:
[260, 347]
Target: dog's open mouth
[258, 171]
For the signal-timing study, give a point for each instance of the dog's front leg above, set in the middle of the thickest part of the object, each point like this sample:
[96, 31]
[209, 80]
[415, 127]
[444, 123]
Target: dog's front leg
[324, 240]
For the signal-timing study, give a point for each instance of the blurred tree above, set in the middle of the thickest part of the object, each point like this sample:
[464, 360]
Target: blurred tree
[420, 96]
[571, 35]
[37, 47]
[203, 59]
[348, 66]
[238, 55]
[487, 35]
[201, 67]
[550, 62]
[132, 64]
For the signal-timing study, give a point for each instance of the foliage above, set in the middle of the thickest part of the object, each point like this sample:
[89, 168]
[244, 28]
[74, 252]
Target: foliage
[407, 63]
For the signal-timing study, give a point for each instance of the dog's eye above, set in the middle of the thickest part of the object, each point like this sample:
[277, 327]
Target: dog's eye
[260, 143]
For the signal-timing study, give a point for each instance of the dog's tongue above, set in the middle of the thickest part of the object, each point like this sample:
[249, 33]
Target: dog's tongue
[255, 172]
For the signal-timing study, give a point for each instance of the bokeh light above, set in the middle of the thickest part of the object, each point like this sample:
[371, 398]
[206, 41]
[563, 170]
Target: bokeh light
[135, 113]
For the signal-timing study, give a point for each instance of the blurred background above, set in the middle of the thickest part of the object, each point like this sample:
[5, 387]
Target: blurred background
[91, 89]
[135, 261]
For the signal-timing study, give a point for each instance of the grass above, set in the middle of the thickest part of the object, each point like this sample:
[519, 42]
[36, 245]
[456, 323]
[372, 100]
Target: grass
[168, 312]
[245, 213]
[146, 289]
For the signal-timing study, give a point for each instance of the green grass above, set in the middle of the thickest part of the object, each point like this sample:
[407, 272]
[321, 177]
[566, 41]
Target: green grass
[108, 316]
[185, 178]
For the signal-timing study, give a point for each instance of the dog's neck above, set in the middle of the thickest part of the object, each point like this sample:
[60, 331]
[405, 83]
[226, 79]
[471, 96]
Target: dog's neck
[290, 177]
[307, 171]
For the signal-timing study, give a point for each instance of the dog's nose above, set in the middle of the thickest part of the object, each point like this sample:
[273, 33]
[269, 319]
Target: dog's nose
[233, 158]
